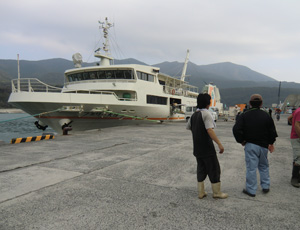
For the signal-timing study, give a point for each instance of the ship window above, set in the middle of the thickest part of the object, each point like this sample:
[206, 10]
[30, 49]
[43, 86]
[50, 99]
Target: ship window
[150, 78]
[78, 77]
[151, 99]
[92, 75]
[145, 76]
[119, 74]
[123, 74]
[162, 82]
[116, 74]
[110, 75]
[102, 74]
[75, 77]
[85, 76]
[128, 74]
[191, 108]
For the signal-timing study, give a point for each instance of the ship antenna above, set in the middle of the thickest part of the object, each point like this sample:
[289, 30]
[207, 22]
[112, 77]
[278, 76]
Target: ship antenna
[185, 66]
[105, 58]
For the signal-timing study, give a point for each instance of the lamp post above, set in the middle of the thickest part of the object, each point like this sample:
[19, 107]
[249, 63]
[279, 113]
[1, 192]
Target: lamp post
[278, 94]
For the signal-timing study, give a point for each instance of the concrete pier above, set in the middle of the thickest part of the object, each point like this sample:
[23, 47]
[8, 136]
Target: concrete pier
[139, 177]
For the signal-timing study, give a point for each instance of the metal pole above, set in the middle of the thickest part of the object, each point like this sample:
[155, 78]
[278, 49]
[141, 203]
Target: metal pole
[279, 94]
[18, 73]
[185, 66]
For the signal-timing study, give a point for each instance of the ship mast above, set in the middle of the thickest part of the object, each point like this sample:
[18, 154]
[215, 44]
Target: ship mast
[105, 58]
[185, 66]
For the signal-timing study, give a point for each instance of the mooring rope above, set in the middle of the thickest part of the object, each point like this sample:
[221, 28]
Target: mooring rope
[125, 115]
[38, 114]
[61, 109]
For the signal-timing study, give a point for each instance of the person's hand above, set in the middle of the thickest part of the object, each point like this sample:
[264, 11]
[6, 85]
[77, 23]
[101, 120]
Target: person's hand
[271, 148]
[221, 148]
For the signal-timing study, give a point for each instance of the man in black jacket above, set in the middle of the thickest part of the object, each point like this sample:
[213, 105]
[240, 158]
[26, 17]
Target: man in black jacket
[256, 131]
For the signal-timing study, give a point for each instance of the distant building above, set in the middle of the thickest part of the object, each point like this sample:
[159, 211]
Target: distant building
[215, 102]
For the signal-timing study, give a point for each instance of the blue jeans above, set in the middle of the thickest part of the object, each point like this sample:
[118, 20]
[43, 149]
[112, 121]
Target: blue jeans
[256, 158]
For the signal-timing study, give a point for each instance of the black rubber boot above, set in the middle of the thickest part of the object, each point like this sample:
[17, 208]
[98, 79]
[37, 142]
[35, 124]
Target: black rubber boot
[295, 176]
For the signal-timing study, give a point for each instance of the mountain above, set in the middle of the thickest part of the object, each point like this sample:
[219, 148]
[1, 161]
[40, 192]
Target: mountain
[4, 77]
[235, 72]
[224, 75]
[236, 82]
[233, 96]
[50, 71]
[128, 61]
[224, 70]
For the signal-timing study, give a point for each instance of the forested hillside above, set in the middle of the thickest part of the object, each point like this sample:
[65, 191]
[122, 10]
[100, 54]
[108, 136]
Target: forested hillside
[236, 82]
[241, 95]
[5, 90]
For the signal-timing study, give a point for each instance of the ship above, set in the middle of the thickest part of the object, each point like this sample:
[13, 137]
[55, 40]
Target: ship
[104, 95]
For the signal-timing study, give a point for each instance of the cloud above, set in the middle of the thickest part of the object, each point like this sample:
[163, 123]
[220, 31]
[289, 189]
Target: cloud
[253, 33]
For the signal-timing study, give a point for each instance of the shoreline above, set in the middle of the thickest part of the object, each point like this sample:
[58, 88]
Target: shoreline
[11, 110]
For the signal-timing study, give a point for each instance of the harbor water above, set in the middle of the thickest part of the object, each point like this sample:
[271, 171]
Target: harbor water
[15, 125]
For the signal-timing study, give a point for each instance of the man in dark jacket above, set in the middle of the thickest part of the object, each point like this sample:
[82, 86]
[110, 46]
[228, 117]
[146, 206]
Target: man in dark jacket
[256, 131]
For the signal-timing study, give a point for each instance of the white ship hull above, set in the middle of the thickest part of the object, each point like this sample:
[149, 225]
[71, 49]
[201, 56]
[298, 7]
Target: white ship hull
[86, 110]
[105, 95]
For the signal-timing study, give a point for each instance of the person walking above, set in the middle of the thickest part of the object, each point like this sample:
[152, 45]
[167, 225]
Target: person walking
[201, 124]
[277, 113]
[295, 141]
[256, 131]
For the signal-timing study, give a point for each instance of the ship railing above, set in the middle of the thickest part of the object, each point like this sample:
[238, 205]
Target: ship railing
[101, 81]
[173, 90]
[35, 85]
[101, 93]
[180, 91]
[32, 85]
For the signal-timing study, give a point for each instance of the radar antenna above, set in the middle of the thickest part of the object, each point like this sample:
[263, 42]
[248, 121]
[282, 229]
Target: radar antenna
[77, 60]
[105, 58]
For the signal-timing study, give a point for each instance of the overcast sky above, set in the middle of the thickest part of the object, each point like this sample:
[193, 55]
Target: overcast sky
[263, 35]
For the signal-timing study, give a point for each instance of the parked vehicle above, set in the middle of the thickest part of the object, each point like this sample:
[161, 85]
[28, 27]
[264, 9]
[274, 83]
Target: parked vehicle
[191, 109]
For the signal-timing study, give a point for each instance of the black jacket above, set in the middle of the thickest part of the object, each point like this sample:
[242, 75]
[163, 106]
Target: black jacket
[255, 126]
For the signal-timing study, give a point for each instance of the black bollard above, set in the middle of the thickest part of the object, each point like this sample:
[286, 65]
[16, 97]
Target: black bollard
[66, 130]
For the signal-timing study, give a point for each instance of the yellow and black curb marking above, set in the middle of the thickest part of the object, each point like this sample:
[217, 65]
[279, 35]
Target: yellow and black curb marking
[29, 139]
